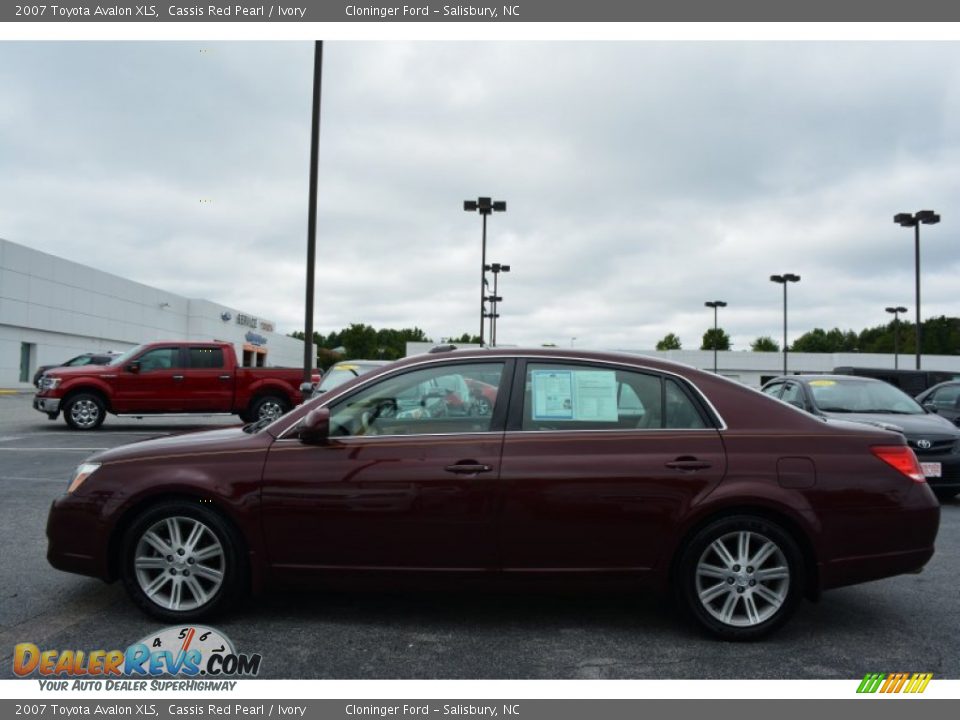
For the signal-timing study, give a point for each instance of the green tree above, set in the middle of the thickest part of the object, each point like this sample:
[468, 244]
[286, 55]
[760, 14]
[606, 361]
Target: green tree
[715, 338]
[466, 338]
[819, 340]
[765, 343]
[670, 342]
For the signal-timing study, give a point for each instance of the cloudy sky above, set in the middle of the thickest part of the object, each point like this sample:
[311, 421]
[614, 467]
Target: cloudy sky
[642, 179]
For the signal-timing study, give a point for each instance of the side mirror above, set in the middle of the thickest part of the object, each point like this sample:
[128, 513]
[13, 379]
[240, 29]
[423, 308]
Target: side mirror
[306, 389]
[796, 404]
[316, 427]
[134, 367]
[931, 408]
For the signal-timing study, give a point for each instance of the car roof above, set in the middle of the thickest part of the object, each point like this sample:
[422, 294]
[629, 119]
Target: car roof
[805, 378]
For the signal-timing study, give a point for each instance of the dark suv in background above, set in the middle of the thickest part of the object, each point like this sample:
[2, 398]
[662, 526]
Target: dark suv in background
[78, 361]
[934, 439]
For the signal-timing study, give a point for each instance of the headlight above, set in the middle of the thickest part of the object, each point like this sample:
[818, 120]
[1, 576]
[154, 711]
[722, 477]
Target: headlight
[82, 473]
[49, 383]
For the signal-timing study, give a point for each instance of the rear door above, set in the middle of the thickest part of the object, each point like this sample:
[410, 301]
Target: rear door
[599, 462]
[207, 383]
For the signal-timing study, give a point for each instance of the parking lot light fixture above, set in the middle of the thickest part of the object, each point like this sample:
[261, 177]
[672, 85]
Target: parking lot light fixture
[896, 333]
[921, 217]
[715, 304]
[485, 206]
[785, 280]
[496, 269]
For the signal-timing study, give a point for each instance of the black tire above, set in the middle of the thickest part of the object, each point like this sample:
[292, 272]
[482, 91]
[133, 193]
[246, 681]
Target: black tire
[194, 606]
[710, 590]
[267, 406]
[84, 411]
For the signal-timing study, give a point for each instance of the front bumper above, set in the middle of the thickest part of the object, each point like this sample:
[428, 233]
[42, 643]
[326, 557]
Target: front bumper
[50, 406]
[77, 539]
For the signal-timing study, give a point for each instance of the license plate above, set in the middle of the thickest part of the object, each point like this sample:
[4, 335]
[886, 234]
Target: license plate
[930, 469]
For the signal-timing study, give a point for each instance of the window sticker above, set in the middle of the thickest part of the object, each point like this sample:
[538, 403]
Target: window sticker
[587, 395]
[552, 394]
[822, 383]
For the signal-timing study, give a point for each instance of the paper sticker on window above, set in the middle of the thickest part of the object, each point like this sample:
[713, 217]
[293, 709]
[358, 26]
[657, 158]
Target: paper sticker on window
[552, 394]
[587, 395]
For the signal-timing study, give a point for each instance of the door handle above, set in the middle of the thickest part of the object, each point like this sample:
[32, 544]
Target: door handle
[468, 468]
[225, 377]
[178, 377]
[688, 463]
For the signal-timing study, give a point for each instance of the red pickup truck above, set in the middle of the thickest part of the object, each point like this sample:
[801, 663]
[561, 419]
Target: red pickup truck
[168, 377]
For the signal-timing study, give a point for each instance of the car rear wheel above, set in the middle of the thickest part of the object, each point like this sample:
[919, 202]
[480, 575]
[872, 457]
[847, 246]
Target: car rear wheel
[741, 577]
[84, 411]
[268, 407]
[181, 562]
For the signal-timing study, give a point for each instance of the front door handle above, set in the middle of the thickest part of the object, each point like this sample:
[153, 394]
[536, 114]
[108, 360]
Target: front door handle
[468, 468]
[225, 377]
[178, 377]
[688, 463]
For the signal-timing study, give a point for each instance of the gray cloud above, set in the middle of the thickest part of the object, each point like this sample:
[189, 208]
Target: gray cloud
[642, 178]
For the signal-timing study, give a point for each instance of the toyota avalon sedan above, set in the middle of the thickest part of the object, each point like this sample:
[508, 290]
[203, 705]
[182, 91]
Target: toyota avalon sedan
[596, 464]
[934, 439]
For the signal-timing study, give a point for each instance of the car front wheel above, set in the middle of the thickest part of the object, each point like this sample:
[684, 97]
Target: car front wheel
[181, 562]
[84, 411]
[741, 577]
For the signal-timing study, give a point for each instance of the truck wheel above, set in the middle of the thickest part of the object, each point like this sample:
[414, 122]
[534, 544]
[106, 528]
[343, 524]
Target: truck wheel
[182, 561]
[84, 411]
[740, 577]
[268, 406]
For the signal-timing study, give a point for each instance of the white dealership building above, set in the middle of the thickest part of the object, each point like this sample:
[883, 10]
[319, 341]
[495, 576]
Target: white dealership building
[52, 309]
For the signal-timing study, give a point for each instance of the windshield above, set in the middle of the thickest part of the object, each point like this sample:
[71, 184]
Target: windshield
[337, 376]
[121, 359]
[862, 396]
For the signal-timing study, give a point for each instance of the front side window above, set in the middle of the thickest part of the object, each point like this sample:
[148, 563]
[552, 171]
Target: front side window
[947, 397]
[793, 394]
[581, 397]
[159, 359]
[773, 390]
[445, 399]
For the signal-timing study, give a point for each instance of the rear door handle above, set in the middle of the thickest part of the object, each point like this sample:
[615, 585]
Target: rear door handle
[468, 468]
[688, 463]
[178, 377]
[224, 377]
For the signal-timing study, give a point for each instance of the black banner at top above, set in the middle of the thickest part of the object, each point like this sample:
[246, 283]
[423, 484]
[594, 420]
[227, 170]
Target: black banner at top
[371, 11]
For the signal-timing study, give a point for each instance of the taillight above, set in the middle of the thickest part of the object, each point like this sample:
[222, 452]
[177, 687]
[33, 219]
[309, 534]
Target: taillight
[901, 458]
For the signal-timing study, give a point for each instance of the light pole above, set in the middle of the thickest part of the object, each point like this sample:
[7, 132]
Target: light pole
[784, 280]
[921, 217]
[309, 352]
[484, 206]
[715, 304]
[496, 269]
[896, 333]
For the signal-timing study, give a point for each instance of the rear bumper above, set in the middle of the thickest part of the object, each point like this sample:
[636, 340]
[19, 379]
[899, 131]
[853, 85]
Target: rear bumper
[891, 542]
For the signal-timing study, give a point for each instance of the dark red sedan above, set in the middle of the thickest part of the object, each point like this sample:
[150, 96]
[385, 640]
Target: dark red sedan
[584, 463]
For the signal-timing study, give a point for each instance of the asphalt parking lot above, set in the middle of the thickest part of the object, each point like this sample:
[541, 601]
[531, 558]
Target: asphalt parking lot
[904, 624]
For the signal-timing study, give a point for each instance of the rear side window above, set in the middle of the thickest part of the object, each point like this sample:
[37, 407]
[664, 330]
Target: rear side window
[205, 357]
[581, 397]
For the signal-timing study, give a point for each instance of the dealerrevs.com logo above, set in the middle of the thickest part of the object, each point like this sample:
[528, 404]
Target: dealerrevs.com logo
[202, 655]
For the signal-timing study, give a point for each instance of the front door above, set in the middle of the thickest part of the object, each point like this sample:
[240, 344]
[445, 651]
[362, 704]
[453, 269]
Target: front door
[156, 384]
[407, 481]
[598, 464]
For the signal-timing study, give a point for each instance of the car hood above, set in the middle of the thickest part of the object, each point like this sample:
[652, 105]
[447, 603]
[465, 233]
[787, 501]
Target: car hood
[928, 426]
[82, 370]
[221, 440]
